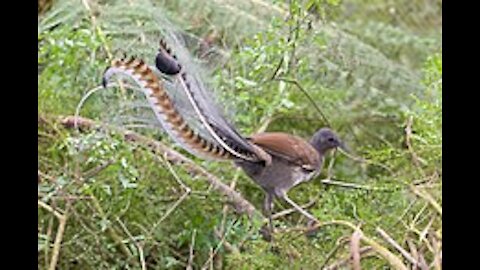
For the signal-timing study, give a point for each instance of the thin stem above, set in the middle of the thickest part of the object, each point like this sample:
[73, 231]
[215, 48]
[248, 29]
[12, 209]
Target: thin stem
[62, 219]
[397, 246]
[139, 248]
[299, 209]
[192, 245]
[210, 258]
[300, 87]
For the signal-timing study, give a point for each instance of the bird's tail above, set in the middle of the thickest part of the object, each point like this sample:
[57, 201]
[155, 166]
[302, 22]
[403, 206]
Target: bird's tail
[213, 137]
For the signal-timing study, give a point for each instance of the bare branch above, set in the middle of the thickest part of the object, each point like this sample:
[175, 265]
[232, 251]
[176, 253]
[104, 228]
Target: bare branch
[353, 185]
[139, 248]
[364, 251]
[413, 250]
[427, 197]
[355, 249]
[240, 204]
[62, 219]
[292, 210]
[394, 260]
[397, 246]
[190, 257]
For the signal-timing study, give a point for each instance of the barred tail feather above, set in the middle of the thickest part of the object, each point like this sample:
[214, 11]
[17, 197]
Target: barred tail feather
[172, 122]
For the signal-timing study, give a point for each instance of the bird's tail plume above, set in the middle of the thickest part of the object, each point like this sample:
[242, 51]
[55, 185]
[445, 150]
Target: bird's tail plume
[213, 142]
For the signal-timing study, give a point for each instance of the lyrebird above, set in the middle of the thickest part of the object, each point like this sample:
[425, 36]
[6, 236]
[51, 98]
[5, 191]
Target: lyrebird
[275, 161]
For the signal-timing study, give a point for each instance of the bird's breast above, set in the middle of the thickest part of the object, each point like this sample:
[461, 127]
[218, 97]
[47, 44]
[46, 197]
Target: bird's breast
[279, 176]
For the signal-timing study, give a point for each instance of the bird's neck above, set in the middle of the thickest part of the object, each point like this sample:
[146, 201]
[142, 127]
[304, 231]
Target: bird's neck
[322, 151]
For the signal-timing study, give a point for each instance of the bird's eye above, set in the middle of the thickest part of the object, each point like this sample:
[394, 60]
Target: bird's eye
[331, 139]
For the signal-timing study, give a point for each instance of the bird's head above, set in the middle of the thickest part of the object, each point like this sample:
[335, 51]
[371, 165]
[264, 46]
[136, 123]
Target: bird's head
[325, 139]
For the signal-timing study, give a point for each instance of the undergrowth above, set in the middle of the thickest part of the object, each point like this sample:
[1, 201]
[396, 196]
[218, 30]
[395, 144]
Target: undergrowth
[106, 202]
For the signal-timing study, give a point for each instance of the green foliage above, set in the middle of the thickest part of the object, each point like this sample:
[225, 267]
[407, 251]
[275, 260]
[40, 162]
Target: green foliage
[69, 62]
[427, 115]
[373, 73]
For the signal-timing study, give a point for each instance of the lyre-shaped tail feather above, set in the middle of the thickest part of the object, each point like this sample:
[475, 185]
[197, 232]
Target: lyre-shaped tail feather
[205, 109]
[167, 62]
[163, 107]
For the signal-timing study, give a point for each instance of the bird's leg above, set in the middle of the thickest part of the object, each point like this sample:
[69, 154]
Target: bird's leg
[299, 209]
[267, 207]
[267, 232]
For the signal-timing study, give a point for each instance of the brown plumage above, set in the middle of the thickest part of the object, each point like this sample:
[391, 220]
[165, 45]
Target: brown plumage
[289, 147]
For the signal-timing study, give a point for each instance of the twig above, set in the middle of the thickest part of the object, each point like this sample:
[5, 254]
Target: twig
[353, 185]
[340, 243]
[192, 245]
[394, 261]
[228, 247]
[62, 219]
[300, 87]
[169, 211]
[386, 254]
[292, 210]
[413, 250]
[355, 249]
[418, 215]
[330, 165]
[277, 69]
[422, 263]
[423, 235]
[50, 209]
[222, 240]
[139, 248]
[364, 251]
[437, 259]
[58, 241]
[47, 240]
[426, 196]
[174, 174]
[212, 254]
[111, 231]
[409, 207]
[397, 246]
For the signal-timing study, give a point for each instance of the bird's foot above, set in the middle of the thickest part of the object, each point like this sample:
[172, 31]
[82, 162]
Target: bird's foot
[312, 223]
[267, 233]
[312, 228]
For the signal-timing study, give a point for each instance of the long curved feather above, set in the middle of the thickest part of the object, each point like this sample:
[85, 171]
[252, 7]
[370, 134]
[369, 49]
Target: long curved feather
[205, 109]
[172, 122]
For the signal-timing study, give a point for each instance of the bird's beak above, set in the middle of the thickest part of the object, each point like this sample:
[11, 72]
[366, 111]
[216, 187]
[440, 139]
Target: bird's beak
[344, 147]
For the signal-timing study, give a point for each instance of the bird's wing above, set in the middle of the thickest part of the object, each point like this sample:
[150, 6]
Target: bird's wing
[289, 147]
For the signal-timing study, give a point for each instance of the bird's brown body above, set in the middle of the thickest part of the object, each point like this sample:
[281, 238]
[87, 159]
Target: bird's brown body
[293, 161]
